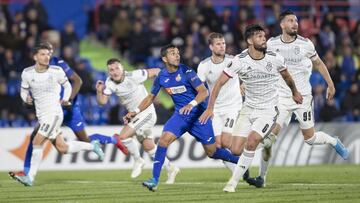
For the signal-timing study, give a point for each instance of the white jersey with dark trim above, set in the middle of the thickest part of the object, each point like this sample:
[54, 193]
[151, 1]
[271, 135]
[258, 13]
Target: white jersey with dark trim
[229, 98]
[45, 89]
[260, 78]
[131, 91]
[298, 57]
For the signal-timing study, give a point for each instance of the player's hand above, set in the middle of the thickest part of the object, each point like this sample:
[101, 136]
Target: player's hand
[100, 86]
[29, 100]
[297, 97]
[66, 104]
[330, 92]
[208, 113]
[186, 109]
[127, 118]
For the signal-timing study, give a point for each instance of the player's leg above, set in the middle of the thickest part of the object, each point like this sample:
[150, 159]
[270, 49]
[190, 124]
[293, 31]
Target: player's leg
[173, 129]
[263, 123]
[204, 134]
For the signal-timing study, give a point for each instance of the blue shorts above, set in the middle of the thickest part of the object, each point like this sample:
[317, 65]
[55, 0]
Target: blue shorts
[179, 124]
[73, 119]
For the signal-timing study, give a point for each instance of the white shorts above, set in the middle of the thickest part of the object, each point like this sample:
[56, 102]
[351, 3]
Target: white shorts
[143, 123]
[50, 126]
[224, 122]
[250, 119]
[304, 112]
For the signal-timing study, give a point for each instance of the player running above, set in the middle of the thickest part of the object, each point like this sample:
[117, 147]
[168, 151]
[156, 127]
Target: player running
[44, 81]
[189, 95]
[129, 87]
[300, 57]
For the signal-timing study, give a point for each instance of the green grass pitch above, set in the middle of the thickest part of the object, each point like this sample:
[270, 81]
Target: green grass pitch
[327, 183]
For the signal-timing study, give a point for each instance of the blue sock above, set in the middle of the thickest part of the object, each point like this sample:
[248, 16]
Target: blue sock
[225, 155]
[103, 139]
[159, 159]
[28, 156]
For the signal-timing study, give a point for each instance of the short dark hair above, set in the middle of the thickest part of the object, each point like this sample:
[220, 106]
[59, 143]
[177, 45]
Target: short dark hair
[112, 61]
[40, 46]
[251, 30]
[213, 36]
[164, 49]
[284, 14]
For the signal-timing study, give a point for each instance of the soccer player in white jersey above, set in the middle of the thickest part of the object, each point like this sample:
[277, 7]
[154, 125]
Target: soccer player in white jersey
[41, 85]
[260, 71]
[300, 57]
[229, 100]
[128, 86]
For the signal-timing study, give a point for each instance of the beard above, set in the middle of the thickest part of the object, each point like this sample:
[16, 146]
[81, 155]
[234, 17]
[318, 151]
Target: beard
[260, 48]
[291, 33]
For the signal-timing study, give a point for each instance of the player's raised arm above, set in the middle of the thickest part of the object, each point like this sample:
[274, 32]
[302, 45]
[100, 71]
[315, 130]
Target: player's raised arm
[321, 67]
[291, 84]
[208, 113]
[101, 96]
[153, 72]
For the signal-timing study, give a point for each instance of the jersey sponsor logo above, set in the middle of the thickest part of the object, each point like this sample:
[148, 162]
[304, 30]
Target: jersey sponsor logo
[297, 50]
[268, 66]
[248, 68]
[178, 77]
[176, 90]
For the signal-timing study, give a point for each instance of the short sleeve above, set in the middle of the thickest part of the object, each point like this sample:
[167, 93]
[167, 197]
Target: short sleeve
[201, 72]
[310, 51]
[66, 68]
[193, 78]
[156, 86]
[61, 76]
[24, 81]
[232, 68]
[280, 63]
[107, 91]
[139, 76]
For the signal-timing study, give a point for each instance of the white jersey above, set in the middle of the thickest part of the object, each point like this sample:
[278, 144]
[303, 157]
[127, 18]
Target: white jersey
[229, 98]
[131, 91]
[45, 89]
[260, 78]
[298, 57]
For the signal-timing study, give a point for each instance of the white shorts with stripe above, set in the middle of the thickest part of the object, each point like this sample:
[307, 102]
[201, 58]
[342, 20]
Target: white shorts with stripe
[303, 112]
[261, 121]
[224, 122]
[143, 123]
[50, 126]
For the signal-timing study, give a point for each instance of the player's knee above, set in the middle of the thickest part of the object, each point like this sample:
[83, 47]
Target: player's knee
[252, 142]
[210, 152]
[165, 141]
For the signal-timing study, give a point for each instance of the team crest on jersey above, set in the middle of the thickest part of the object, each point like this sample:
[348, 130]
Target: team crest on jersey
[268, 66]
[297, 50]
[178, 77]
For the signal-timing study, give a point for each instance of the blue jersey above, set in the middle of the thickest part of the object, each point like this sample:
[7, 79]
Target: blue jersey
[181, 86]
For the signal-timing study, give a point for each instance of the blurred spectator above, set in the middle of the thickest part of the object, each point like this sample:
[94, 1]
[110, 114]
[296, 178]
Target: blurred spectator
[138, 44]
[347, 63]
[107, 13]
[351, 101]
[330, 112]
[121, 29]
[69, 38]
[210, 18]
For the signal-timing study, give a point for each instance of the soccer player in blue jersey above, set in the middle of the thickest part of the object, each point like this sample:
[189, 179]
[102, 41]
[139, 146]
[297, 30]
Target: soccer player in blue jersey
[189, 95]
[72, 117]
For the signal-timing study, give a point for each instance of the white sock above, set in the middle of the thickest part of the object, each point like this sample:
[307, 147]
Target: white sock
[35, 160]
[242, 165]
[132, 147]
[321, 138]
[77, 146]
[263, 168]
[230, 166]
[167, 163]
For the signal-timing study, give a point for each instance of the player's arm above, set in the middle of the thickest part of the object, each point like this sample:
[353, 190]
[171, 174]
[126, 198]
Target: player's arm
[24, 91]
[76, 83]
[146, 102]
[202, 94]
[208, 113]
[321, 67]
[291, 84]
[101, 97]
[152, 72]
